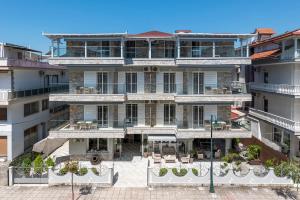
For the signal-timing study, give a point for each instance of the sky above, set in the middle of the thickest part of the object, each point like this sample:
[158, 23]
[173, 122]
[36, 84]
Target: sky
[23, 21]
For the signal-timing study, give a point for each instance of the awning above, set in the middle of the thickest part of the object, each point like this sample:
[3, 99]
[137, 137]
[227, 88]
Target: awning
[48, 145]
[162, 138]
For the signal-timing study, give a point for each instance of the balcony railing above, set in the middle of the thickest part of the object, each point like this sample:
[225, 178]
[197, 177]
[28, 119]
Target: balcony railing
[6, 95]
[276, 88]
[155, 88]
[217, 125]
[275, 119]
[86, 125]
[90, 51]
[77, 88]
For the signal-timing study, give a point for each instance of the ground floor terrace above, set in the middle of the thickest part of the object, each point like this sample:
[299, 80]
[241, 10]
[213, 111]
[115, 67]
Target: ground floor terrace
[115, 193]
[276, 137]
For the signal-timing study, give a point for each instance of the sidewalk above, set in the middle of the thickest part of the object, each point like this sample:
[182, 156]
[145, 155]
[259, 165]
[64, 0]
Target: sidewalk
[114, 193]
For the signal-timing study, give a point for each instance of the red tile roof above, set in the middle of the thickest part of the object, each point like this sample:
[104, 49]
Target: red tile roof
[265, 31]
[152, 34]
[265, 54]
[277, 38]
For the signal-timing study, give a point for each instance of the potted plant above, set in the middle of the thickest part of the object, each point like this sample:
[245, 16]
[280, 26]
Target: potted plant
[145, 152]
[253, 153]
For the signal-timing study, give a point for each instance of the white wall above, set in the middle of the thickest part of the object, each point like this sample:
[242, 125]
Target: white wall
[210, 110]
[90, 78]
[77, 146]
[90, 112]
[5, 81]
[211, 79]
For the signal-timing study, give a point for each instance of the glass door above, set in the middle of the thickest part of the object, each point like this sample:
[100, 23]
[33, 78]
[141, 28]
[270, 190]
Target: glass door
[103, 116]
[198, 83]
[131, 82]
[197, 116]
[131, 114]
[102, 81]
[169, 83]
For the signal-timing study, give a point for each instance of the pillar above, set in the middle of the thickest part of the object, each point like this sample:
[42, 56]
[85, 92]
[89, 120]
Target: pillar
[85, 49]
[149, 46]
[122, 48]
[294, 145]
[295, 49]
[228, 143]
[214, 49]
[178, 47]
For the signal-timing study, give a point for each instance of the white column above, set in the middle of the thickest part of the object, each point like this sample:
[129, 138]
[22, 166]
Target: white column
[295, 49]
[149, 45]
[85, 49]
[178, 47]
[247, 50]
[283, 48]
[227, 144]
[214, 49]
[122, 47]
[241, 41]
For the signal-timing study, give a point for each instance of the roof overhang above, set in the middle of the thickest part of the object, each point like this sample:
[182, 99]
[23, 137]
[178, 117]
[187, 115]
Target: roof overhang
[23, 48]
[81, 35]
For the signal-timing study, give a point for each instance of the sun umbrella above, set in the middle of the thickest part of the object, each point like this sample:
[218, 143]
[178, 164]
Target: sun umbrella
[48, 145]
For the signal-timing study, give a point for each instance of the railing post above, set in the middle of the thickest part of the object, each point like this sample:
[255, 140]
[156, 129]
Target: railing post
[85, 49]
[214, 49]
[295, 48]
[10, 176]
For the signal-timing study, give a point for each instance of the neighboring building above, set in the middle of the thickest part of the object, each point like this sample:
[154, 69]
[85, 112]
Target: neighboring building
[24, 98]
[276, 106]
[156, 90]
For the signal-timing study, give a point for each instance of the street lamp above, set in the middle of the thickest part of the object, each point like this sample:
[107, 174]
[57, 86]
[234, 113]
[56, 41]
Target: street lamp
[211, 186]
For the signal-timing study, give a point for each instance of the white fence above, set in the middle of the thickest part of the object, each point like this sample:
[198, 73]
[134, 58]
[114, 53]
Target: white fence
[229, 178]
[103, 180]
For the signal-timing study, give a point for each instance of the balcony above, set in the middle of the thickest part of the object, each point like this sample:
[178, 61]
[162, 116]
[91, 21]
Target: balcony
[87, 129]
[276, 88]
[6, 95]
[275, 119]
[221, 129]
[76, 92]
[235, 91]
[8, 62]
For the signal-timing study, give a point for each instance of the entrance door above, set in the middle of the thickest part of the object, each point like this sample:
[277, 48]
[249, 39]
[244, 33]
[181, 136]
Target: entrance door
[3, 146]
[150, 113]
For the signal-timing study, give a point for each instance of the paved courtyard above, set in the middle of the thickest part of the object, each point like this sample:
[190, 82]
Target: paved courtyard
[170, 193]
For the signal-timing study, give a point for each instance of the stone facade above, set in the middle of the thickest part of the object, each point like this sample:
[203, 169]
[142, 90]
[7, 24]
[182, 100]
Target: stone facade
[76, 79]
[224, 113]
[76, 113]
[224, 79]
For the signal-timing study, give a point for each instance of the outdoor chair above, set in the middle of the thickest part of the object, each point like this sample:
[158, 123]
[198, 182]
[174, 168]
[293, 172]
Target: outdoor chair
[156, 157]
[170, 158]
[218, 154]
[200, 155]
[185, 159]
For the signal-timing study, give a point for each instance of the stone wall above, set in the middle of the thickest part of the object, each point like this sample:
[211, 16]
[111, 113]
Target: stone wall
[224, 79]
[76, 113]
[76, 79]
[224, 113]
[4, 174]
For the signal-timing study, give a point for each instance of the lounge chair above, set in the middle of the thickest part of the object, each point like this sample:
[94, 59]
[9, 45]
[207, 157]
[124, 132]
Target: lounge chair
[156, 157]
[185, 159]
[170, 158]
[200, 155]
[218, 154]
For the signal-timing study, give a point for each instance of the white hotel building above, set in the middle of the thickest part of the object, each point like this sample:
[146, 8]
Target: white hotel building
[24, 98]
[276, 90]
[156, 90]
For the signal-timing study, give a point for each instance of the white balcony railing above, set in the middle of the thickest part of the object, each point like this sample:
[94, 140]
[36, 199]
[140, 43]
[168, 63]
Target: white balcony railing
[277, 88]
[276, 120]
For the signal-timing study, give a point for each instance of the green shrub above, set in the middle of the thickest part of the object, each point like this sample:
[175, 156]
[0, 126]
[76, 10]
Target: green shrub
[95, 171]
[50, 163]
[270, 163]
[26, 165]
[195, 171]
[224, 165]
[63, 171]
[163, 171]
[181, 172]
[254, 150]
[238, 163]
[38, 165]
[72, 166]
[83, 171]
[230, 157]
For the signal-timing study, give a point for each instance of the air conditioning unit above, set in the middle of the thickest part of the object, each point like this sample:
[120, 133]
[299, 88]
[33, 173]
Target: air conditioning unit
[41, 73]
[154, 69]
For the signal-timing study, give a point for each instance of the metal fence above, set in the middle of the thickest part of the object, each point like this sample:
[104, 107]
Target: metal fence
[22, 175]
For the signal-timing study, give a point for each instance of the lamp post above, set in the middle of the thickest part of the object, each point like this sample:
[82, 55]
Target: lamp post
[211, 186]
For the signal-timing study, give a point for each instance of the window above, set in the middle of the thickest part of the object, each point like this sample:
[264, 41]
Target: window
[103, 116]
[197, 116]
[30, 137]
[31, 108]
[3, 114]
[266, 105]
[131, 114]
[169, 83]
[276, 135]
[97, 144]
[198, 80]
[54, 78]
[102, 79]
[45, 104]
[196, 49]
[169, 114]
[131, 82]
[20, 55]
[266, 77]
